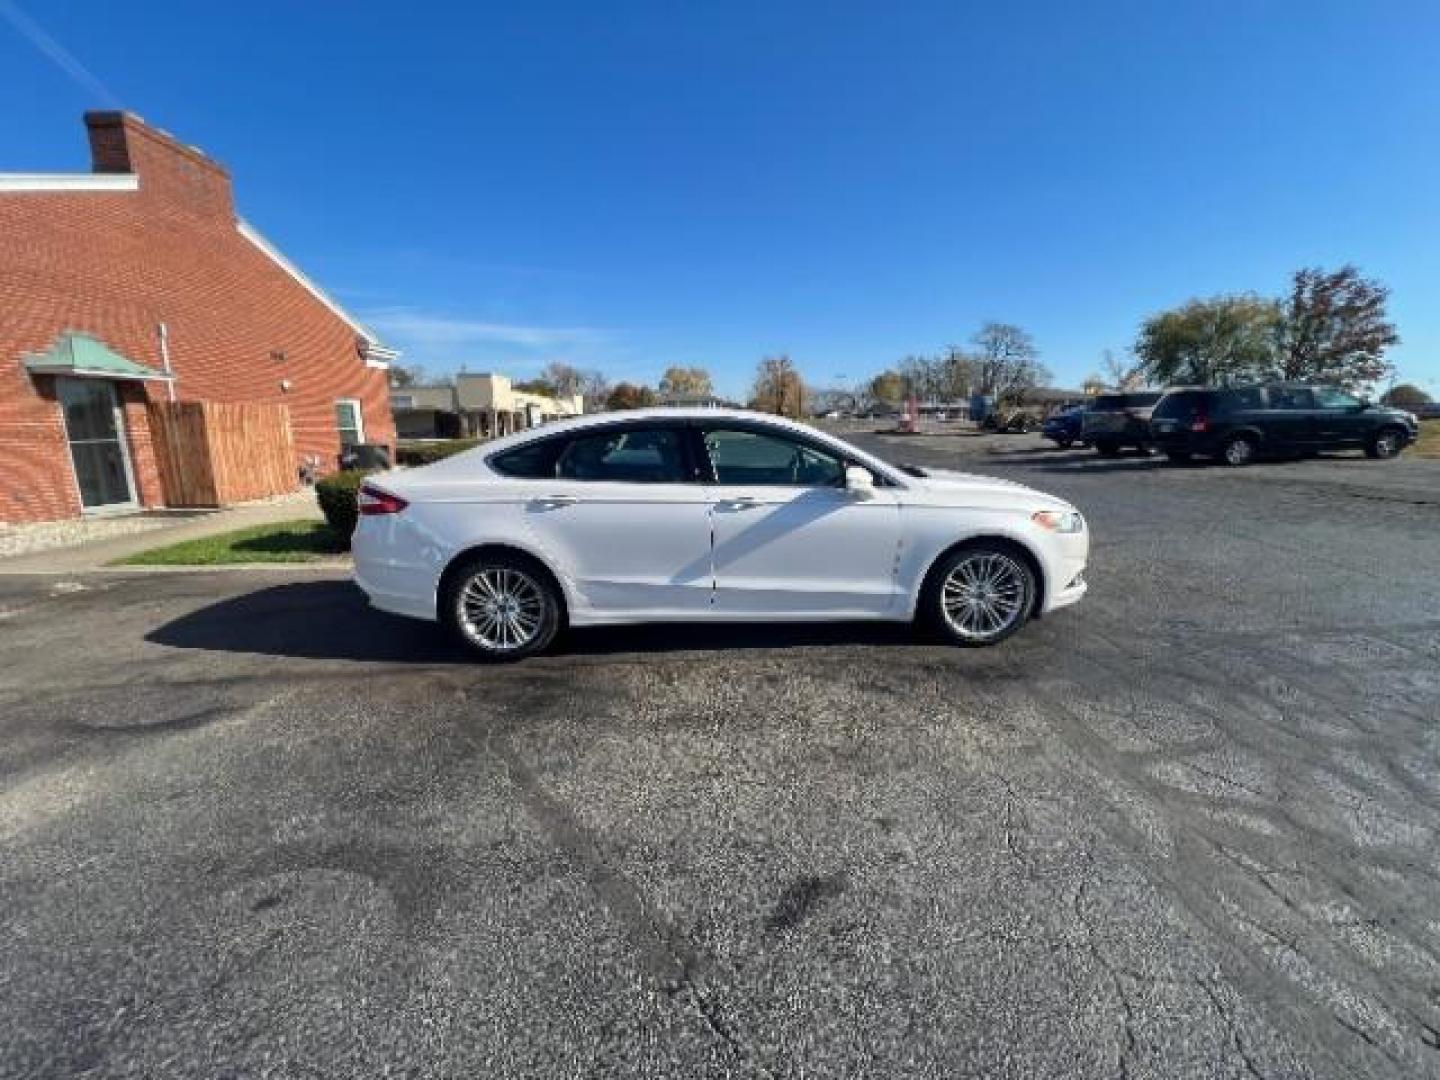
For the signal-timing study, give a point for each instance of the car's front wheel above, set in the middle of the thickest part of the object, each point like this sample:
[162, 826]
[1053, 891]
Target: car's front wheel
[979, 594]
[1386, 443]
[502, 607]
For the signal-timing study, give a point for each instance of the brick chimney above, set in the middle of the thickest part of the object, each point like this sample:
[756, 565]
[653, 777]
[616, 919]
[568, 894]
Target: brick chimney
[180, 175]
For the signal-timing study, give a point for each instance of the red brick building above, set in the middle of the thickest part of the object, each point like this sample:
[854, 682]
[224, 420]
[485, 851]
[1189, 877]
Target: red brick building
[137, 282]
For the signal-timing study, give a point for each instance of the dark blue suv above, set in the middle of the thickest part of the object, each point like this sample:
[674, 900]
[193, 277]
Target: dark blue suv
[1240, 423]
[1063, 428]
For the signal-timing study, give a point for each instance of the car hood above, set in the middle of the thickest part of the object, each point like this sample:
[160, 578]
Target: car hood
[948, 487]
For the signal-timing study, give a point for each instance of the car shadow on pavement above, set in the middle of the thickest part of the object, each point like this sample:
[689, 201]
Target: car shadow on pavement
[309, 620]
[1082, 461]
[331, 620]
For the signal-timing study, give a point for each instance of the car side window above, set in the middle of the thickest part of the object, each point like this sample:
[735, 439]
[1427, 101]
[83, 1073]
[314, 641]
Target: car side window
[627, 455]
[1244, 399]
[1291, 397]
[755, 458]
[1327, 398]
[532, 461]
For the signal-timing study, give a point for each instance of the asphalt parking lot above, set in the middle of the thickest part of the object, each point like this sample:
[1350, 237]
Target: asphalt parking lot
[1187, 829]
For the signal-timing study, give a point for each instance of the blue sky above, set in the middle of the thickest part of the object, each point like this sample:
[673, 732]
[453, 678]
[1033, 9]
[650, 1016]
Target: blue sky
[630, 185]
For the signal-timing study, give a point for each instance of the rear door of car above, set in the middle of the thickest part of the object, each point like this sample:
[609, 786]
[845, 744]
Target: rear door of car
[1289, 418]
[620, 512]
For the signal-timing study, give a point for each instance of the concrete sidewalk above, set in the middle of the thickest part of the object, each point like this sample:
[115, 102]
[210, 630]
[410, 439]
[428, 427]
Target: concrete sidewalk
[96, 555]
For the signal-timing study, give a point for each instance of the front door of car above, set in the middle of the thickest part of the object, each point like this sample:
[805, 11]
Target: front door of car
[626, 522]
[789, 539]
[1340, 419]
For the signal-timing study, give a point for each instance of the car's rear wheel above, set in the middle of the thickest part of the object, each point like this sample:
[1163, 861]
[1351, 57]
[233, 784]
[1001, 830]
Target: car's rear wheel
[1385, 443]
[1107, 448]
[1238, 451]
[1064, 444]
[979, 594]
[502, 607]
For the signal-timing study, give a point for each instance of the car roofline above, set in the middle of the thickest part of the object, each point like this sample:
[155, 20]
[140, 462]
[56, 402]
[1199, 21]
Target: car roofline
[692, 414]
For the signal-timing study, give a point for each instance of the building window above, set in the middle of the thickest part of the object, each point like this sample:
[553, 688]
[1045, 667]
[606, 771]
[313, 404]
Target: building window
[277, 355]
[348, 421]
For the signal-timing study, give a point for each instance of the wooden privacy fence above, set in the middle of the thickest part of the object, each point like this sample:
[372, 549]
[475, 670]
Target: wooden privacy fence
[213, 453]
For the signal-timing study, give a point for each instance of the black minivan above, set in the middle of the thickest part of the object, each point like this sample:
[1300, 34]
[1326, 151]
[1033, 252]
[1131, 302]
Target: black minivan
[1239, 423]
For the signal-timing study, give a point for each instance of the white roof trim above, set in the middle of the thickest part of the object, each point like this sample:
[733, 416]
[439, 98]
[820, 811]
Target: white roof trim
[376, 349]
[69, 182]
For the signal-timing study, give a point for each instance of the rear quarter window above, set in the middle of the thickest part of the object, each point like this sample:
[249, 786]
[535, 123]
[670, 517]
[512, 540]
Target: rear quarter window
[1244, 399]
[1180, 403]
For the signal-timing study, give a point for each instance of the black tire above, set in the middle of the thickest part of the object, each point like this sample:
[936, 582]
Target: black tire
[1178, 457]
[967, 625]
[502, 607]
[1385, 444]
[1064, 444]
[1107, 448]
[1238, 450]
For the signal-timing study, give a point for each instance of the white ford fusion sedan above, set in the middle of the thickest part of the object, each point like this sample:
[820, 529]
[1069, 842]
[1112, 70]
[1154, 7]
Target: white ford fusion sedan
[706, 516]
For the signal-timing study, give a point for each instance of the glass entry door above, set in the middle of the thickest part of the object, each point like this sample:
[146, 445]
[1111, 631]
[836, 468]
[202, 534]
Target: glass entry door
[95, 427]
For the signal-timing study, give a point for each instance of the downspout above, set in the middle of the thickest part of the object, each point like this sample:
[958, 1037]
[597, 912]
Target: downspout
[163, 332]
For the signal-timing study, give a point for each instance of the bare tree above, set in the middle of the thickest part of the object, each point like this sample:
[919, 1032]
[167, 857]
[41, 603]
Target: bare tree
[1122, 374]
[564, 379]
[594, 389]
[1007, 361]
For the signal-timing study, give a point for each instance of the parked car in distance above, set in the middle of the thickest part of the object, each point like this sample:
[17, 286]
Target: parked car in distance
[706, 515]
[1063, 428]
[1114, 421]
[1238, 424]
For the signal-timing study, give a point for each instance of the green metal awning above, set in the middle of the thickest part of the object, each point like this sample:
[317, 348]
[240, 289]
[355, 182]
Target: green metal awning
[83, 356]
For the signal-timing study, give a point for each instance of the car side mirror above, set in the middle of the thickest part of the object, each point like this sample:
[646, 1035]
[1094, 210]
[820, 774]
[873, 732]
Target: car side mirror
[859, 481]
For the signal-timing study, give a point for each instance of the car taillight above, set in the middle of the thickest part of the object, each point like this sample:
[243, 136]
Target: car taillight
[1200, 422]
[372, 500]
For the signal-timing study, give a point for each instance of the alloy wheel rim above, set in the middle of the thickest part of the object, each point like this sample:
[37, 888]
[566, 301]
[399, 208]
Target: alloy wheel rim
[984, 595]
[501, 609]
[1385, 445]
[1238, 452]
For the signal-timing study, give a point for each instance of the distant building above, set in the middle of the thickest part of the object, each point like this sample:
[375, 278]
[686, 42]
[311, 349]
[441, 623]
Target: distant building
[694, 401]
[136, 284]
[480, 405]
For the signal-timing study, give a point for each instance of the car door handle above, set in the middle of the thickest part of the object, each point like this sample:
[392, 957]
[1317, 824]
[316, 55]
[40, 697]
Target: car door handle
[558, 500]
[740, 502]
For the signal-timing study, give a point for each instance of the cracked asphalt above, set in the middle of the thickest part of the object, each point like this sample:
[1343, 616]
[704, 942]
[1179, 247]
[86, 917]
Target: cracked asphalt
[1187, 829]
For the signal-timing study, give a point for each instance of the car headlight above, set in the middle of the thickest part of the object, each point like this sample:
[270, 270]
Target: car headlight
[1060, 521]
